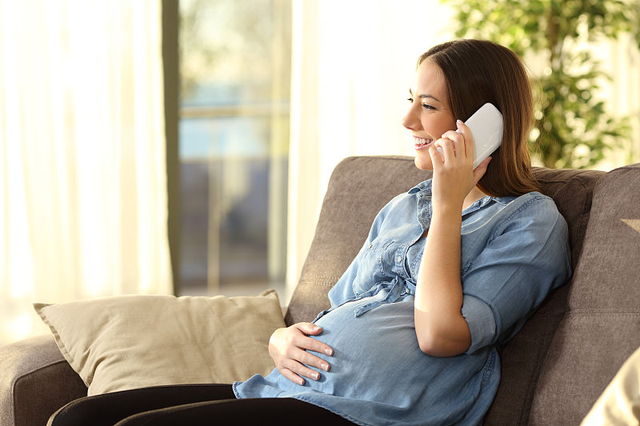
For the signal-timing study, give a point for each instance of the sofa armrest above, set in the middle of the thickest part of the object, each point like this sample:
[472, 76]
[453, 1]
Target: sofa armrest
[35, 381]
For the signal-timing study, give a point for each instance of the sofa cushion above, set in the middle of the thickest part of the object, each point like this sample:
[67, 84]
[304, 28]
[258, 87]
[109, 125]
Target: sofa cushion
[572, 192]
[126, 342]
[602, 325]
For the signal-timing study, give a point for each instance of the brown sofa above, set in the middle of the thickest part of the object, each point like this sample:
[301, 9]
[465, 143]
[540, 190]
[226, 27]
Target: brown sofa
[552, 371]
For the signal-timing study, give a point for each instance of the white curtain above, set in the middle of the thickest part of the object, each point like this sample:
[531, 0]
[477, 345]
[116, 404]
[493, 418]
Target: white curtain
[83, 204]
[353, 63]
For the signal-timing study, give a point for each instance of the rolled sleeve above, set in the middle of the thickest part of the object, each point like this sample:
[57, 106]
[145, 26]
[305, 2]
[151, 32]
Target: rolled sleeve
[482, 324]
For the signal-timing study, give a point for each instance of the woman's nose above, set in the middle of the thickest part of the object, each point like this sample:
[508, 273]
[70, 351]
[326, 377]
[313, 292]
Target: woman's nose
[410, 120]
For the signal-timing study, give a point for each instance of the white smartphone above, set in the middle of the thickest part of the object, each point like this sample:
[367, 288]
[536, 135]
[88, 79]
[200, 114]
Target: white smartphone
[486, 127]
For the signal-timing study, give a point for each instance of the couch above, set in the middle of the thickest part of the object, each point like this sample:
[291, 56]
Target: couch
[552, 371]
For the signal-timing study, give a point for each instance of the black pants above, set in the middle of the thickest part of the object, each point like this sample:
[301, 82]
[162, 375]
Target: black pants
[190, 405]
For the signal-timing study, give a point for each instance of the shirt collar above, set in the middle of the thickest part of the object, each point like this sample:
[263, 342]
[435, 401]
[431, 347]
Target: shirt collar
[425, 188]
[422, 186]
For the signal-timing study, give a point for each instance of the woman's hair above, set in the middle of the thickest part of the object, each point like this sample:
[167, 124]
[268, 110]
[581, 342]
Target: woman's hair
[480, 71]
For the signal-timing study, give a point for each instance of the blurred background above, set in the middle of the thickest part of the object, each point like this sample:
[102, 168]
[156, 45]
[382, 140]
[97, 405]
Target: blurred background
[235, 97]
[183, 147]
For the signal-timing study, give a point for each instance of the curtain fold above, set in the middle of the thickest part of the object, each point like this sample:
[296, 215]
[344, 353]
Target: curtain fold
[83, 203]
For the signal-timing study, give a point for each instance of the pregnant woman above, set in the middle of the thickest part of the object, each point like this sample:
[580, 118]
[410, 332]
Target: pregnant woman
[450, 271]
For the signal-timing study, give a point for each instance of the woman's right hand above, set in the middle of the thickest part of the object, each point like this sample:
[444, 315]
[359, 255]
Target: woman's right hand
[290, 349]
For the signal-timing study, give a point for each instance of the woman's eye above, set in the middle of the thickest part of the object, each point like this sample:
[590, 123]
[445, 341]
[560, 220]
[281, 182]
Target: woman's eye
[425, 106]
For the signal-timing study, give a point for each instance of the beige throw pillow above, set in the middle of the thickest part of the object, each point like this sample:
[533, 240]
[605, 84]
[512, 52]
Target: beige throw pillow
[127, 342]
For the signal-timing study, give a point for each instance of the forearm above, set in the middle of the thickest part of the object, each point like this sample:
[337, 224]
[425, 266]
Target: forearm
[440, 327]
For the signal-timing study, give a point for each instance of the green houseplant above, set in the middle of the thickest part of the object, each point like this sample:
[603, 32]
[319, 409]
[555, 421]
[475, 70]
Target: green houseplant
[572, 126]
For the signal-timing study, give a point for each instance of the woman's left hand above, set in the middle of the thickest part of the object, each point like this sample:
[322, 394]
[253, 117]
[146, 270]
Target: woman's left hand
[453, 173]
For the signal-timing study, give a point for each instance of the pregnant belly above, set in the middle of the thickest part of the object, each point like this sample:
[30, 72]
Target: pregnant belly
[386, 331]
[376, 353]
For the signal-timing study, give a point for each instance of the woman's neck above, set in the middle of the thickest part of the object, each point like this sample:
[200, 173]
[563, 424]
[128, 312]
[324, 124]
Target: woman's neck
[474, 195]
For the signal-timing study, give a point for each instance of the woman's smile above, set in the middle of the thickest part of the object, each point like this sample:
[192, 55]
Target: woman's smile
[421, 143]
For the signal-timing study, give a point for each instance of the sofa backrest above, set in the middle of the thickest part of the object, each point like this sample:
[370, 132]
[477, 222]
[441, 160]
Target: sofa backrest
[601, 326]
[361, 186]
[522, 358]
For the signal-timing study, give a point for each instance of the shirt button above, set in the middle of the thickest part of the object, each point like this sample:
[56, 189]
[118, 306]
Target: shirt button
[399, 259]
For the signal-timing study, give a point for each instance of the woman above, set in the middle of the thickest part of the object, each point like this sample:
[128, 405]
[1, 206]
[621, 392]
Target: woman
[449, 272]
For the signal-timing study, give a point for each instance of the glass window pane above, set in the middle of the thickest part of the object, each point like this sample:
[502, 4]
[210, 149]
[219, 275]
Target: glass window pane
[234, 131]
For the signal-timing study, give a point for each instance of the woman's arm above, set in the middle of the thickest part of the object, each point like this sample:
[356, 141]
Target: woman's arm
[440, 327]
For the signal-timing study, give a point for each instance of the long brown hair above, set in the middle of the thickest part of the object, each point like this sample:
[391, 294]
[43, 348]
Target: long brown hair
[480, 71]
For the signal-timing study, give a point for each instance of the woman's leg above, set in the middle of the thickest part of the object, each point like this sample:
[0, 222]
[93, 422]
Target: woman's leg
[264, 412]
[110, 408]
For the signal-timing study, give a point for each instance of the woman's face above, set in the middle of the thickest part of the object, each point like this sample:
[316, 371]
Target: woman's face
[429, 114]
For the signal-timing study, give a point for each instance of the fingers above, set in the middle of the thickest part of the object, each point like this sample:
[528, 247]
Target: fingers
[310, 343]
[291, 376]
[291, 349]
[299, 352]
[465, 131]
[444, 151]
[297, 372]
[301, 362]
[456, 144]
[308, 328]
[446, 147]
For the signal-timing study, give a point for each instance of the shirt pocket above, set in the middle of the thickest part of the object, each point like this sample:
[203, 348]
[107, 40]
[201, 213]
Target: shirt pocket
[392, 260]
[371, 267]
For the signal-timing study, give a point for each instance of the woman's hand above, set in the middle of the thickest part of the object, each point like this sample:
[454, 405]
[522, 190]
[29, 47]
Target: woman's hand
[453, 173]
[289, 347]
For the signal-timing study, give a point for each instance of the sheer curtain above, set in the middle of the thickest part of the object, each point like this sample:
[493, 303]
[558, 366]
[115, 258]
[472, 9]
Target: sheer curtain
[353, 64]
[83, 204]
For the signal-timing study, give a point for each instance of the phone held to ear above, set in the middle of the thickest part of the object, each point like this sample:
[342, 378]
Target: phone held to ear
[486, 127]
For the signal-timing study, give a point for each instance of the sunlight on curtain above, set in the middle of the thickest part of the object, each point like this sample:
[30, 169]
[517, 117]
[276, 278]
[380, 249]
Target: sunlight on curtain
[353, 64]
[83, 205]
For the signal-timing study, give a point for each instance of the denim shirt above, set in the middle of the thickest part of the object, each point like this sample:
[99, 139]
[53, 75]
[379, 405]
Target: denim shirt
[514, 252]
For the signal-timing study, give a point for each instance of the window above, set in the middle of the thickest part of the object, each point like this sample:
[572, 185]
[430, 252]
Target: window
[233, 144]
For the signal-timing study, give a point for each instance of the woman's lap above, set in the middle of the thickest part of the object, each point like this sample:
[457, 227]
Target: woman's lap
[190, 405]
[264, 411]
[109, 408]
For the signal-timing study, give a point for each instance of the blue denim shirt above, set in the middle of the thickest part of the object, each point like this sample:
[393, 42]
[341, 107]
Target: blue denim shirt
[514, 252]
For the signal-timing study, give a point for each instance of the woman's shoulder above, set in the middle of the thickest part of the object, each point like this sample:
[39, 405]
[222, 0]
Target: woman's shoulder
[531, 200]
[534, 206]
